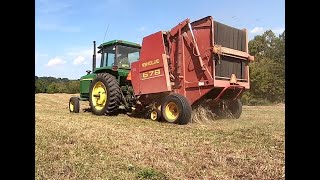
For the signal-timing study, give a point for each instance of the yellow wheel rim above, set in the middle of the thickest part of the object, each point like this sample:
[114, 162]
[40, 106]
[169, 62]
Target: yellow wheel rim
[71, 106]
[172, 111]
[154, 115]
[99, 95]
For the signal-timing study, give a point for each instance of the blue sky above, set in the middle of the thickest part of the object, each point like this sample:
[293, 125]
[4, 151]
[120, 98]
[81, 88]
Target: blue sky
[65, 29]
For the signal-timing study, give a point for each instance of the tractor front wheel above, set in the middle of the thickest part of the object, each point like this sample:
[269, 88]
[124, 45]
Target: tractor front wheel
[74, 105]
[104, 94]
[176, 109]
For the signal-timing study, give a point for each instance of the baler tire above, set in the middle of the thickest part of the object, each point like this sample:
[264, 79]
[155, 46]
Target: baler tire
[74, 105]
[113, 97]
[183, 106]
[235, 107]
[220, 113]
[157, 115]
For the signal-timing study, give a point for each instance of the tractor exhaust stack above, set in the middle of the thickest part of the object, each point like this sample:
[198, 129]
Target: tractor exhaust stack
[94, 56]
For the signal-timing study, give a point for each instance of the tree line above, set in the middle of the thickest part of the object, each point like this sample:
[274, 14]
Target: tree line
[267, 73]
[52, 85]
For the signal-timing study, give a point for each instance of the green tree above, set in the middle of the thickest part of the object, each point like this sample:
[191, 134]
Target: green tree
[73, 87]
[53, 88]
[267, 72]
[41, 86]
[56, 85]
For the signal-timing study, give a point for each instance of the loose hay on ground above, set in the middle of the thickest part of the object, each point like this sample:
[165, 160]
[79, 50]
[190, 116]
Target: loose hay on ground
[202, 114]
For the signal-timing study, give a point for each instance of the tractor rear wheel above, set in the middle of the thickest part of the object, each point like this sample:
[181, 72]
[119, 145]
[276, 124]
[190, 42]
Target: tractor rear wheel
[74, 105]
[176, 109]
[104, 94]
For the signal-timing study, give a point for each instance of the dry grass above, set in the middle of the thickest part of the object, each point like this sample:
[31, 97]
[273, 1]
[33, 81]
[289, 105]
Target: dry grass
[84, 146]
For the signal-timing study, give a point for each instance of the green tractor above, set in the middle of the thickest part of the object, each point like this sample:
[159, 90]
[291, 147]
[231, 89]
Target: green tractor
[106, 87]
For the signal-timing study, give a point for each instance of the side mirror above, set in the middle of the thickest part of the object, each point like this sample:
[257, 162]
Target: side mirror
[88, 71]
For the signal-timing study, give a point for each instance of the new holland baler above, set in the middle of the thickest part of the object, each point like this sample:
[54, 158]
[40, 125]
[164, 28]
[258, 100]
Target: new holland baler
[200, 62]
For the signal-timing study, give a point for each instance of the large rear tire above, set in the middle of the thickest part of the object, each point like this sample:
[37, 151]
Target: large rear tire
[176, 109]
[105, 94]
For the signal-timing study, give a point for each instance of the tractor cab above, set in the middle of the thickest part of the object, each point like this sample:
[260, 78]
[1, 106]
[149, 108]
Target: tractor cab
[118, 54]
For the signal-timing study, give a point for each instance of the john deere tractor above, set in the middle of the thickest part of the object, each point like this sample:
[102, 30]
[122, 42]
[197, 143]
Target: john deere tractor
[106, 87]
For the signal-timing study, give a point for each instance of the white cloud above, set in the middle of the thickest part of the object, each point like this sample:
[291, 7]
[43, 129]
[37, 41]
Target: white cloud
[79, 60]
[78, 56]
[55, 62]
[257, 30]
[82, 55]
[278, 30]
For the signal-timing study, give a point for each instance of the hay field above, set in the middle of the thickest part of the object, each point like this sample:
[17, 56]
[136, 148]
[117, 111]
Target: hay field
[84, 146]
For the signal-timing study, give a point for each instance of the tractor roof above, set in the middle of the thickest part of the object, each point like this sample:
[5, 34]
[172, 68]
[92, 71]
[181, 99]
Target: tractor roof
[116, 42]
